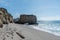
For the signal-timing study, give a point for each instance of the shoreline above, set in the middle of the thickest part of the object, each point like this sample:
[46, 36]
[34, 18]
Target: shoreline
[54, 33]
[33, 34]
[37, 28]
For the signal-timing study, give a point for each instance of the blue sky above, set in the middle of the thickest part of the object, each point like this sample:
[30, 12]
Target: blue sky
[43, 9]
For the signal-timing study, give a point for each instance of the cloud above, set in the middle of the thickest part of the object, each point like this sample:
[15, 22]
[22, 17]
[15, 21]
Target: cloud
[50, 18]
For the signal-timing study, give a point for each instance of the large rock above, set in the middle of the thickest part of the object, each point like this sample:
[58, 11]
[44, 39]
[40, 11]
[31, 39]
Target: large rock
[30, 19]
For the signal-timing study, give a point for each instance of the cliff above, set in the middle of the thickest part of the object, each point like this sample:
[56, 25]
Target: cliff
[5, 17]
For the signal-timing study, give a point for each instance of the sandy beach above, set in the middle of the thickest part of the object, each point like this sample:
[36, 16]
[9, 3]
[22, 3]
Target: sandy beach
[28, 33]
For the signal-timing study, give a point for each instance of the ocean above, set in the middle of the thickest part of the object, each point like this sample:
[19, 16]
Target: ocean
[49, 26]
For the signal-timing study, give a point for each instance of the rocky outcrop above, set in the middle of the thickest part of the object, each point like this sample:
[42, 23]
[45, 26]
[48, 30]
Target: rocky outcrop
[30, 19]
[5, 17]
[16, 20]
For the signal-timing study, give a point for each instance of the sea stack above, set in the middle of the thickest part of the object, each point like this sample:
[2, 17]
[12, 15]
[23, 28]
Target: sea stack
[30, 19]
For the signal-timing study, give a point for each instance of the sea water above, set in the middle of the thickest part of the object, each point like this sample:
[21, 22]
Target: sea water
[49, 26]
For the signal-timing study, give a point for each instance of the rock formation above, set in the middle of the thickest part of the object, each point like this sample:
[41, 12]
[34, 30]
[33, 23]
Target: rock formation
[30, 19]
[16, 20]
[5, 17]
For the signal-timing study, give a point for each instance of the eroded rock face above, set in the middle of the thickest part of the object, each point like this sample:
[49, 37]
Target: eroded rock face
[10, 18]
[1, 24]
[5, 17]
[1, 19]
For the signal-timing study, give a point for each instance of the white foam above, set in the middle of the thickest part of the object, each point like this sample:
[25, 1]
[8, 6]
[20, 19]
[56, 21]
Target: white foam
[54, 33]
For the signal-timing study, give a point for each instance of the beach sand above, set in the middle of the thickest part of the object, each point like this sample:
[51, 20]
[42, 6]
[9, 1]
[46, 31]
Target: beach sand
[29, 33]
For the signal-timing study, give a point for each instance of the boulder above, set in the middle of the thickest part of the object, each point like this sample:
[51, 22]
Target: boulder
[30, 19]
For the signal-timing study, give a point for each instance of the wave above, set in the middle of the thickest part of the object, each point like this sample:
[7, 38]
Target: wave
[51, 27]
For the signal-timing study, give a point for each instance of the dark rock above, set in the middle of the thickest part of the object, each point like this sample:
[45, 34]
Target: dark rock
[16, 20]
[31, 19]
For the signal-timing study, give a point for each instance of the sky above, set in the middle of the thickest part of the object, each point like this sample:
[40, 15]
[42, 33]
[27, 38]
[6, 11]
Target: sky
[43, 9]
